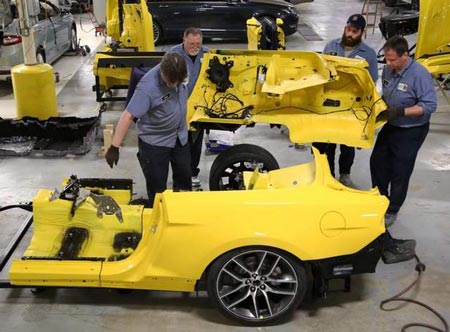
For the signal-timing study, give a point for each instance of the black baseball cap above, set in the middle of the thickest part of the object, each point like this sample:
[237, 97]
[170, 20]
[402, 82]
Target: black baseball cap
[357, 21]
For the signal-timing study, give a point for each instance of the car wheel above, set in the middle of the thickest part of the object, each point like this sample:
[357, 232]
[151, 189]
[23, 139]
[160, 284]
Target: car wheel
[73, 39]
[256, 285]
[40, 55]
[267, 40]
[157, 33]
[227, 169]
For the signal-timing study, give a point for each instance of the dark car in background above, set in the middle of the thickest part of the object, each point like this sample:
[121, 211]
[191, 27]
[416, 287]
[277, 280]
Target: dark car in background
[407, 4]
[222, 19]
[297, 2]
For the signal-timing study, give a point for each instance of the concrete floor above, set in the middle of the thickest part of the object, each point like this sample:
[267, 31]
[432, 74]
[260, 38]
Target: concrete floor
[424, 217]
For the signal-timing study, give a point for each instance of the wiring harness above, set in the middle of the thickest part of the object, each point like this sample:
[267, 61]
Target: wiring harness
[224, 107]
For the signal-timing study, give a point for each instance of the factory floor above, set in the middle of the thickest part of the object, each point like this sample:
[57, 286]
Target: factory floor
[424, 217]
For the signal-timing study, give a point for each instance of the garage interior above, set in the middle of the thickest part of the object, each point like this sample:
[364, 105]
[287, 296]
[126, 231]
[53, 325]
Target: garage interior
[424, 216]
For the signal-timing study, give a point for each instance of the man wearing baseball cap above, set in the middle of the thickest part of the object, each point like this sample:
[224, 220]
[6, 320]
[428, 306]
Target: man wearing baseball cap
[350, 45]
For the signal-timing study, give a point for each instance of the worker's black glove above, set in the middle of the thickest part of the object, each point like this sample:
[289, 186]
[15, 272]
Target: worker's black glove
[112, 155]
[390, 114]
[395, 113]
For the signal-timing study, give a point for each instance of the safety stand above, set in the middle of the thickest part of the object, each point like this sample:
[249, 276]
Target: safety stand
[82, 49]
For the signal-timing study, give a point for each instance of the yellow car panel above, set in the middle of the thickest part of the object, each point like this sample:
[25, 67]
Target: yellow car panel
[320, 98]
[234, 242]
[432, 48]
[434, 28]
[186, 231]
[137, 24]
[135, 35]
[56, 273]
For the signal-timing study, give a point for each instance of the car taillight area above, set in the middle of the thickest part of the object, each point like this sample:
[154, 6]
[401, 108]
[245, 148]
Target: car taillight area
[9, 40]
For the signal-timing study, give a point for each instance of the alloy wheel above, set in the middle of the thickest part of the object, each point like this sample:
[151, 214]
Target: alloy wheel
[257, 285]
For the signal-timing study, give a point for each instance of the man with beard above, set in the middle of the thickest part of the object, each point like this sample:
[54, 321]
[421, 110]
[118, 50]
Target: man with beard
[350, 45]
[192, 51]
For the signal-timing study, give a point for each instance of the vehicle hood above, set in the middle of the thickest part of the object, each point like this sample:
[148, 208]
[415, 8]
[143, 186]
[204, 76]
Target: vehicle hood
[6, 16]
[434, 16]
[271, 2]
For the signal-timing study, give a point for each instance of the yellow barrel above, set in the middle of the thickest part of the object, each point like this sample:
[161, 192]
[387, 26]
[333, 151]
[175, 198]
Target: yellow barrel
[34, 91]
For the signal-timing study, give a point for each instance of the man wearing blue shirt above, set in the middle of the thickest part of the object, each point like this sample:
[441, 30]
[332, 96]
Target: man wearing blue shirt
[192, 51]
[350, 45]
[159, 104]
[408, 90]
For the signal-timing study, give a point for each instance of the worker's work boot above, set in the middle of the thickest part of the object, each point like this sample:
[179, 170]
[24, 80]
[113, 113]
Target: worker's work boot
[399, 251]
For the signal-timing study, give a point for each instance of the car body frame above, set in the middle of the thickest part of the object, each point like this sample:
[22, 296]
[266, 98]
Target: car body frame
[288, 224]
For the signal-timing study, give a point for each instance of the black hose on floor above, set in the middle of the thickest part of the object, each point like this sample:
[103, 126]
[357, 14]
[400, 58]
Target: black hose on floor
[420, 268]
[25, 206]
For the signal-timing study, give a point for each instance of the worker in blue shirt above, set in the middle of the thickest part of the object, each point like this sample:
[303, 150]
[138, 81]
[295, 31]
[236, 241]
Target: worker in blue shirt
[159, 104]
[408, 90]
[192, 51]
[350, 45]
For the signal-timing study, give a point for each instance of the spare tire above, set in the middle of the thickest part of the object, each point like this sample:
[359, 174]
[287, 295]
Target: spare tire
[227, 169]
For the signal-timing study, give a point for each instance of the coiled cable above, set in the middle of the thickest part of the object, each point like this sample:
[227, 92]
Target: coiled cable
[420, 268]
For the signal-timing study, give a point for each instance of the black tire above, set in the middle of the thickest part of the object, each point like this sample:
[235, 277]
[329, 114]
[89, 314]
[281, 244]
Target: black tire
[157, 33]
[256, 285]
[40, 55]
[267, 41]
[226, 170]
[87, 48]
[73, 38]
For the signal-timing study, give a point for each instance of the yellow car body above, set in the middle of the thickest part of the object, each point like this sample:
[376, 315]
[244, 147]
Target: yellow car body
[433, 41]
[315, 220]
[320, 98]
[434, 30]
[129, 36]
